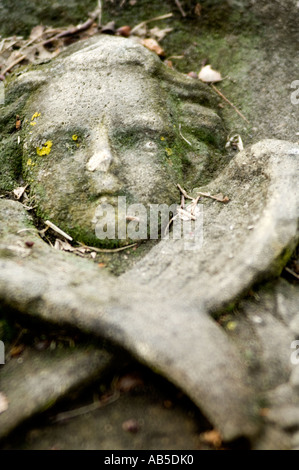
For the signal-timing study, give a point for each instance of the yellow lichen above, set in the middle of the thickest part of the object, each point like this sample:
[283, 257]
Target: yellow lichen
[45, 149]
[231, 325]
[35, 115]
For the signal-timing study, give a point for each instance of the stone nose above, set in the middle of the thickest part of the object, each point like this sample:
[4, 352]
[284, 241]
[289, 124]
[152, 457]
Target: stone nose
[101, 154]
[100, 160]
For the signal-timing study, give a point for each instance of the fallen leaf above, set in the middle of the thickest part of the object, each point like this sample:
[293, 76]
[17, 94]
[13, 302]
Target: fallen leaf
[192, 75]
[208, 75]
[124, 31]
[197, 9]
[264, 412]
[153, 46]
[18, 192]
[36, 32]
[235, 142]
[3, 403]
[158, 33]
[212, 437]
[16, 351]
[129, 382]
[18, 122]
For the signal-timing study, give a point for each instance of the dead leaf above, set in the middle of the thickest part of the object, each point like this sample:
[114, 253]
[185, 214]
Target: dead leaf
[18, 122]
[235, 142]
[158, 33]
[212, 437]
[192, 75]
[153, 46]
[197, 9]
[36, 32]
[16, 351]
[3, 403]
[63, 246]
[129, 382]
[208, 75]
[18, 192]
[124, 31]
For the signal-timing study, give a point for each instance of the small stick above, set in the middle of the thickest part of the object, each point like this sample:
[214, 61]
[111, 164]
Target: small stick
[184, 138]
[16, 62]
[178, 4]
[179, 57]
[86, 409]
[169, 224]
[35, 231]
[292, 272]
[107, 250]
[229, 102]
[58, 230]
[225, 199]
[77, 29]
[157, 18]
[184, 193]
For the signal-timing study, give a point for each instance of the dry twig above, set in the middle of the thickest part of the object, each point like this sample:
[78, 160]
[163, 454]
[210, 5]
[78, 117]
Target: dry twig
[86, 409]
[144, 23]
[229, 102]
[178, 4]
[107, 250]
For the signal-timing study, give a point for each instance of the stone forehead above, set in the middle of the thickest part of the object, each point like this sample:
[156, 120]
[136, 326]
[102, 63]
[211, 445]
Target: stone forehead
[112, 52]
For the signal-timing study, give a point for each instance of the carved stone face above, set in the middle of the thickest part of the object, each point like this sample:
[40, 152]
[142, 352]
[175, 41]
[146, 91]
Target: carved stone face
[109, 119]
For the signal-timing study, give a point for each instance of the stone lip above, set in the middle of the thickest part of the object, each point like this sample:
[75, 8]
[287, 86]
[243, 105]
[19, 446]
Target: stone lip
[159, 310]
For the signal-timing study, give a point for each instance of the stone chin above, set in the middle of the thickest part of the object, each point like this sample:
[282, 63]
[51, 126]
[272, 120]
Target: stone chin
[114, 121]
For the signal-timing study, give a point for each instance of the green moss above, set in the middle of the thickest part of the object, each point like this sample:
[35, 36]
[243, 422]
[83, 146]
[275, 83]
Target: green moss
[10, 162]
[22, 17]
[7, 330]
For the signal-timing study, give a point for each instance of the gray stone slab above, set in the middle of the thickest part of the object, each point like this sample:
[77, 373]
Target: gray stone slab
[34, 382]
[161, 309]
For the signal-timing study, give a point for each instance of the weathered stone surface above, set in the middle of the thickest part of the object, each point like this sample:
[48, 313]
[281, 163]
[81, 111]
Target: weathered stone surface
[160, 309]
[108, 122]
[171, 331]
[42, 378]
[177, 339]
[264, 338]
[243, 241]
